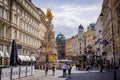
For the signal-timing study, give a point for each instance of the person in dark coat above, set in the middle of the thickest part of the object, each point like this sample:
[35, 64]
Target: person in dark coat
[69, 69]
[53, 69]
[46, 69]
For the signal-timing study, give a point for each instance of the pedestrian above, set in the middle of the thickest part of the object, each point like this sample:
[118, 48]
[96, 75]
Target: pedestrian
[64, 67]
[53, 69]
[69, 69]
[46, 69]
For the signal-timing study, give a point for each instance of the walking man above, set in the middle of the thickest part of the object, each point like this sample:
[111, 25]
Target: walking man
[69, 70]
[53, 69]
[46, 69]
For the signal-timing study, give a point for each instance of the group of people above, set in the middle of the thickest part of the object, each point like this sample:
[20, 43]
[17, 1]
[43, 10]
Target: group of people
[66, 67]
[47, 68]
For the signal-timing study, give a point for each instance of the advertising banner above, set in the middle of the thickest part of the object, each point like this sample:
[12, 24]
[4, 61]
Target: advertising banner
[32, 68]
[15, 72]
[29, 70]
[5, 73]
[23, 71]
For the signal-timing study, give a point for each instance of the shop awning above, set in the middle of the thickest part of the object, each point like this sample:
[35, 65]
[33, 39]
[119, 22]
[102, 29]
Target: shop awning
[33, 58]
[22, 58]
[6, 54]
[1, 54]
[28, 58]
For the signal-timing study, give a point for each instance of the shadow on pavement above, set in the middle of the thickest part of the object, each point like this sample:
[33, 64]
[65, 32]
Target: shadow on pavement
[62, 76]
[93, 76]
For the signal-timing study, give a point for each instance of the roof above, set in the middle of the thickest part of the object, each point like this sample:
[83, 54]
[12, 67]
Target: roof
[60, 37]
[81, 27]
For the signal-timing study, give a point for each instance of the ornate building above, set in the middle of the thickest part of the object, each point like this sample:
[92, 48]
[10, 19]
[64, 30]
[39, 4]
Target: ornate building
[75, 46]
[20, 20]
[109, 19]
[90, 43]
[23, 21]
[81, 40]
[90, 39]
[61, 43]
[99, 38]
[68, 54]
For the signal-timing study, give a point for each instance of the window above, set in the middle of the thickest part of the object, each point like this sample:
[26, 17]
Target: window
[16, 8]
[1, 0]
[80, 52]
[1, 31]
[15, 34]
[1, 12]
[6, 2]
[15, 19]
[7, 16]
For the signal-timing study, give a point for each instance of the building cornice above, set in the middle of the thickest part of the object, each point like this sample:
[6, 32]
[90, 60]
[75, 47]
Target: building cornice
[23, 7]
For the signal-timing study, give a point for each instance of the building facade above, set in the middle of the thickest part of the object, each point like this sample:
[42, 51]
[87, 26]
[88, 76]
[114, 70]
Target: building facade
[75, 46]
[90, 39]
[61, 43]
[68, 55]
[81, 40]
[116, 15]
[111, 19]
[23, 21]
[99, 38]
[20, 20]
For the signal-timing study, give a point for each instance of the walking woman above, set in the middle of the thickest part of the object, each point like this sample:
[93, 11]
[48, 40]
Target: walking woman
[46, 69]
[53, 69]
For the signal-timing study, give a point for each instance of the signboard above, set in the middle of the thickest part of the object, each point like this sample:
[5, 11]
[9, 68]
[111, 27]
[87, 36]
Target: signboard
[5, 73]
[29, 70]
[15, 72]
[22, 71]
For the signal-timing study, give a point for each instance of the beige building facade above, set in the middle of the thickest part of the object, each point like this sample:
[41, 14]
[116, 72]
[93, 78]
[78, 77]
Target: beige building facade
[111, 15]
[108, 32]
[68, 54]
[24, 22]
[75, 46]
[90, 40]
[99, 38]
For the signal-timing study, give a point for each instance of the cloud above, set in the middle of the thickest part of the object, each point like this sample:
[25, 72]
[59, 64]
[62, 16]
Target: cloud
[69, 17]
[69, 14]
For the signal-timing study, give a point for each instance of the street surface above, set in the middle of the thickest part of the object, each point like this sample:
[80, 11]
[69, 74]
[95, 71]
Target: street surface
[76, 75]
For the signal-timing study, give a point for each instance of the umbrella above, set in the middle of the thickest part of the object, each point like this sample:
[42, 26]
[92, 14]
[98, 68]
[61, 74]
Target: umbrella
[14, 55]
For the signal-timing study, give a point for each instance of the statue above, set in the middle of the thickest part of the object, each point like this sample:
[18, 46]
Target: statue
[49, 15]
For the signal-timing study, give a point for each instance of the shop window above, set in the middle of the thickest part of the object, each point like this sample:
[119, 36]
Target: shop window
[5, 61]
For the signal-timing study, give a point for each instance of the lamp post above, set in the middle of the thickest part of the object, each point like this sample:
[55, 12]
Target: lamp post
[115, 76]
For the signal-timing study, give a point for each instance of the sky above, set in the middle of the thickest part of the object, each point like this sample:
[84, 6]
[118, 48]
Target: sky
[69, 14]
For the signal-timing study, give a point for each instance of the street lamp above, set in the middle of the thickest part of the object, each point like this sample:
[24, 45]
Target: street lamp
[115, 76]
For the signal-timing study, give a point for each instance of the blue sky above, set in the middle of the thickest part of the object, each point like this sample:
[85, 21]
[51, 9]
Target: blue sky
[69, 14]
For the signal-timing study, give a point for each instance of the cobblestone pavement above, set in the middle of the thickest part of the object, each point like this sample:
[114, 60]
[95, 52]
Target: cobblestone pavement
[76, 75]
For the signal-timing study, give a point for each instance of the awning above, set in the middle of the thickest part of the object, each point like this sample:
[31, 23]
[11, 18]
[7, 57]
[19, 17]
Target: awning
[1, 54]
[6, 54]
[28, 58]
[33, 58]
[22, 58]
